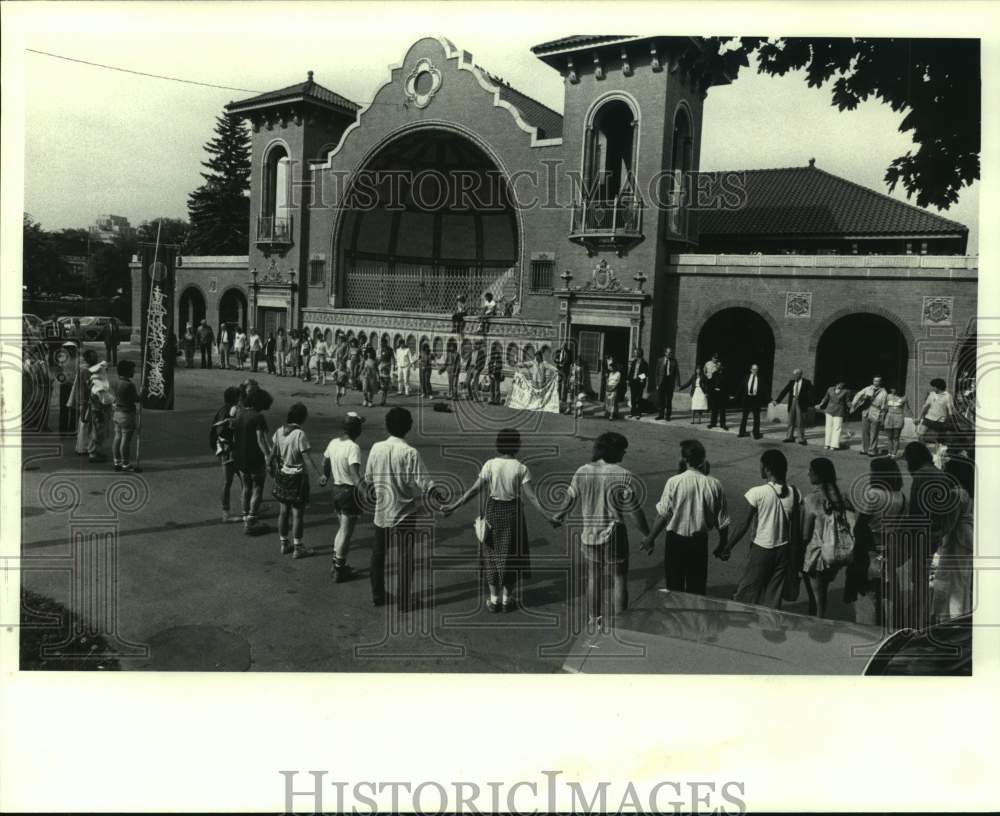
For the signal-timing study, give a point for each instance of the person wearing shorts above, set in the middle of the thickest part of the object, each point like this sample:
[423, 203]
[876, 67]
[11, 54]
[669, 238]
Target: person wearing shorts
[608, 499]
[342, 466]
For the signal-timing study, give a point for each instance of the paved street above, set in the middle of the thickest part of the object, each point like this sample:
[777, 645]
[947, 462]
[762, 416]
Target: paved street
[203, 595]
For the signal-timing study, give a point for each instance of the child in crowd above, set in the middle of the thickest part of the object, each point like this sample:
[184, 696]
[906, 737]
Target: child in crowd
[578, 406]
[495, 371]
[305, 352]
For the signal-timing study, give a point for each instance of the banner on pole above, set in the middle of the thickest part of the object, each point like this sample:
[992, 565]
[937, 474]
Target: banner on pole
[526, 396]
[159, 353]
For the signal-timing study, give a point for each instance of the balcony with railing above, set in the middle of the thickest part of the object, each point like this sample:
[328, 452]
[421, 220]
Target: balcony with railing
[613, 224]
[274, 230]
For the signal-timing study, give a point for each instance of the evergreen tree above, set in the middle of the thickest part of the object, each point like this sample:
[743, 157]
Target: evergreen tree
[219, 210]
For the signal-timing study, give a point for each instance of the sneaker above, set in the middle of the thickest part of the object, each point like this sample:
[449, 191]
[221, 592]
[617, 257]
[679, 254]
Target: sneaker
[286, 547]
[118, 467]
[301, 551]
[342, 573]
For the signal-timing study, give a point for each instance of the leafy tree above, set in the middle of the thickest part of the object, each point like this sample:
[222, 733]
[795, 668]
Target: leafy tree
[934, 83]
[175, 231]
[43, 269]
[219, 210]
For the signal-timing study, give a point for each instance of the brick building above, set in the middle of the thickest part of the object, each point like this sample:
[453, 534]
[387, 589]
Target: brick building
[593, 225]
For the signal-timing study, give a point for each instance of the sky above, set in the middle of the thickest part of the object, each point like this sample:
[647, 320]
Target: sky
[100, 141]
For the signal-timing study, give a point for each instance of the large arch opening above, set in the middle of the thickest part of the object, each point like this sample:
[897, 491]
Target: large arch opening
[740, 337]
[190, 308]
[430, 218]
[859, 346]
[233, 307]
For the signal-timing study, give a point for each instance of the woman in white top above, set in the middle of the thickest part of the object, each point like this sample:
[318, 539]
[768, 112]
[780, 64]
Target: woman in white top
[937, 413]
[290, 452]
[342, 465]
[504, 551]
[821, 511]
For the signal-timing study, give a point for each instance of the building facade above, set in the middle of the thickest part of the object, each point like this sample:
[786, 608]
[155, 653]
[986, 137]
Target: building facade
[592, 226]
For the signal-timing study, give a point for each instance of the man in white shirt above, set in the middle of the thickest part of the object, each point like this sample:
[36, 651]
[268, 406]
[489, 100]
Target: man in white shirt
[404, 359]
[400, 480]
[776, 507]
[692, 504]
[871, 420]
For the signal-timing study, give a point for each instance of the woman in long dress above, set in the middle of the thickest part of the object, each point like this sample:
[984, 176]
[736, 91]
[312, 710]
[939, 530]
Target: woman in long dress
[504, 552]
[821, 509]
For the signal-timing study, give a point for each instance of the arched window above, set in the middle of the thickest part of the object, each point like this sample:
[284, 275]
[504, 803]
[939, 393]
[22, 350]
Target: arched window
[610, 153]
[276, 199]
[681, 161]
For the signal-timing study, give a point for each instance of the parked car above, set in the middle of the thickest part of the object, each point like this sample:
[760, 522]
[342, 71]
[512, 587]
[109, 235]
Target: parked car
[92, 328]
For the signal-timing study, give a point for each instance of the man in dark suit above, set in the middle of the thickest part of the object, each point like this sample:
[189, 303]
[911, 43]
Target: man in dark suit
[638, 375]
[667, 374]
[715, 386]
[752, 398]
[800, 397]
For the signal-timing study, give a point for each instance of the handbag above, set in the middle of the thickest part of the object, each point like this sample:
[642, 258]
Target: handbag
[482, 527]
[837, 546]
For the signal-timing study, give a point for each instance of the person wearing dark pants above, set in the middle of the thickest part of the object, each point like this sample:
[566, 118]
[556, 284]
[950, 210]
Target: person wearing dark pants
[800, 399]
[776, 507]
[692, 504]
[751, 396]
[399, 478]
[638, 374]
[717, 398]
[667, 375]
[206, 339]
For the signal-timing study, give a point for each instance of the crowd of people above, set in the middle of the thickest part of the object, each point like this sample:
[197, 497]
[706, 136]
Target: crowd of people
[905, 556]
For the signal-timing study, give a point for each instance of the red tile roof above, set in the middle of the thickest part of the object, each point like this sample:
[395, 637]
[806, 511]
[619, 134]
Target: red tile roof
[309, 90]
[804, 201]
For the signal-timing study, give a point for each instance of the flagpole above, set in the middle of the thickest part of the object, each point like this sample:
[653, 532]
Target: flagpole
[145, 349]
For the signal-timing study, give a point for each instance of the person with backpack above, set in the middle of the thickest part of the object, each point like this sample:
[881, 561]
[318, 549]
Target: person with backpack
[827, 532]
[776, 508]
[220, 440]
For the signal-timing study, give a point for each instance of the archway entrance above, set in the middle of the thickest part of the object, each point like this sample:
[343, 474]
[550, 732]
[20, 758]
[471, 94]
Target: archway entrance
[233, 307]
[859, 346]
[190, 308]
[430, 218]
[740, 337]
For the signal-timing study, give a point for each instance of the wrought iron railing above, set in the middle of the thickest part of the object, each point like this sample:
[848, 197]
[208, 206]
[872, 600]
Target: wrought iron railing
[273, 229]
[607, 218]
[415, 287]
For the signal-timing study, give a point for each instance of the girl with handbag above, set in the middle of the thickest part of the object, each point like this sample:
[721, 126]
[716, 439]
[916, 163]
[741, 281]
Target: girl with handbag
[501, 528]
[290, 452]
[827, 532]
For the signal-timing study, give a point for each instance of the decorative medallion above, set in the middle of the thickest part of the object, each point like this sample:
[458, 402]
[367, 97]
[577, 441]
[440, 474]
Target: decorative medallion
[213, 285]
[603, 279]
[423, 82]
[798, 304]
[938, 311]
